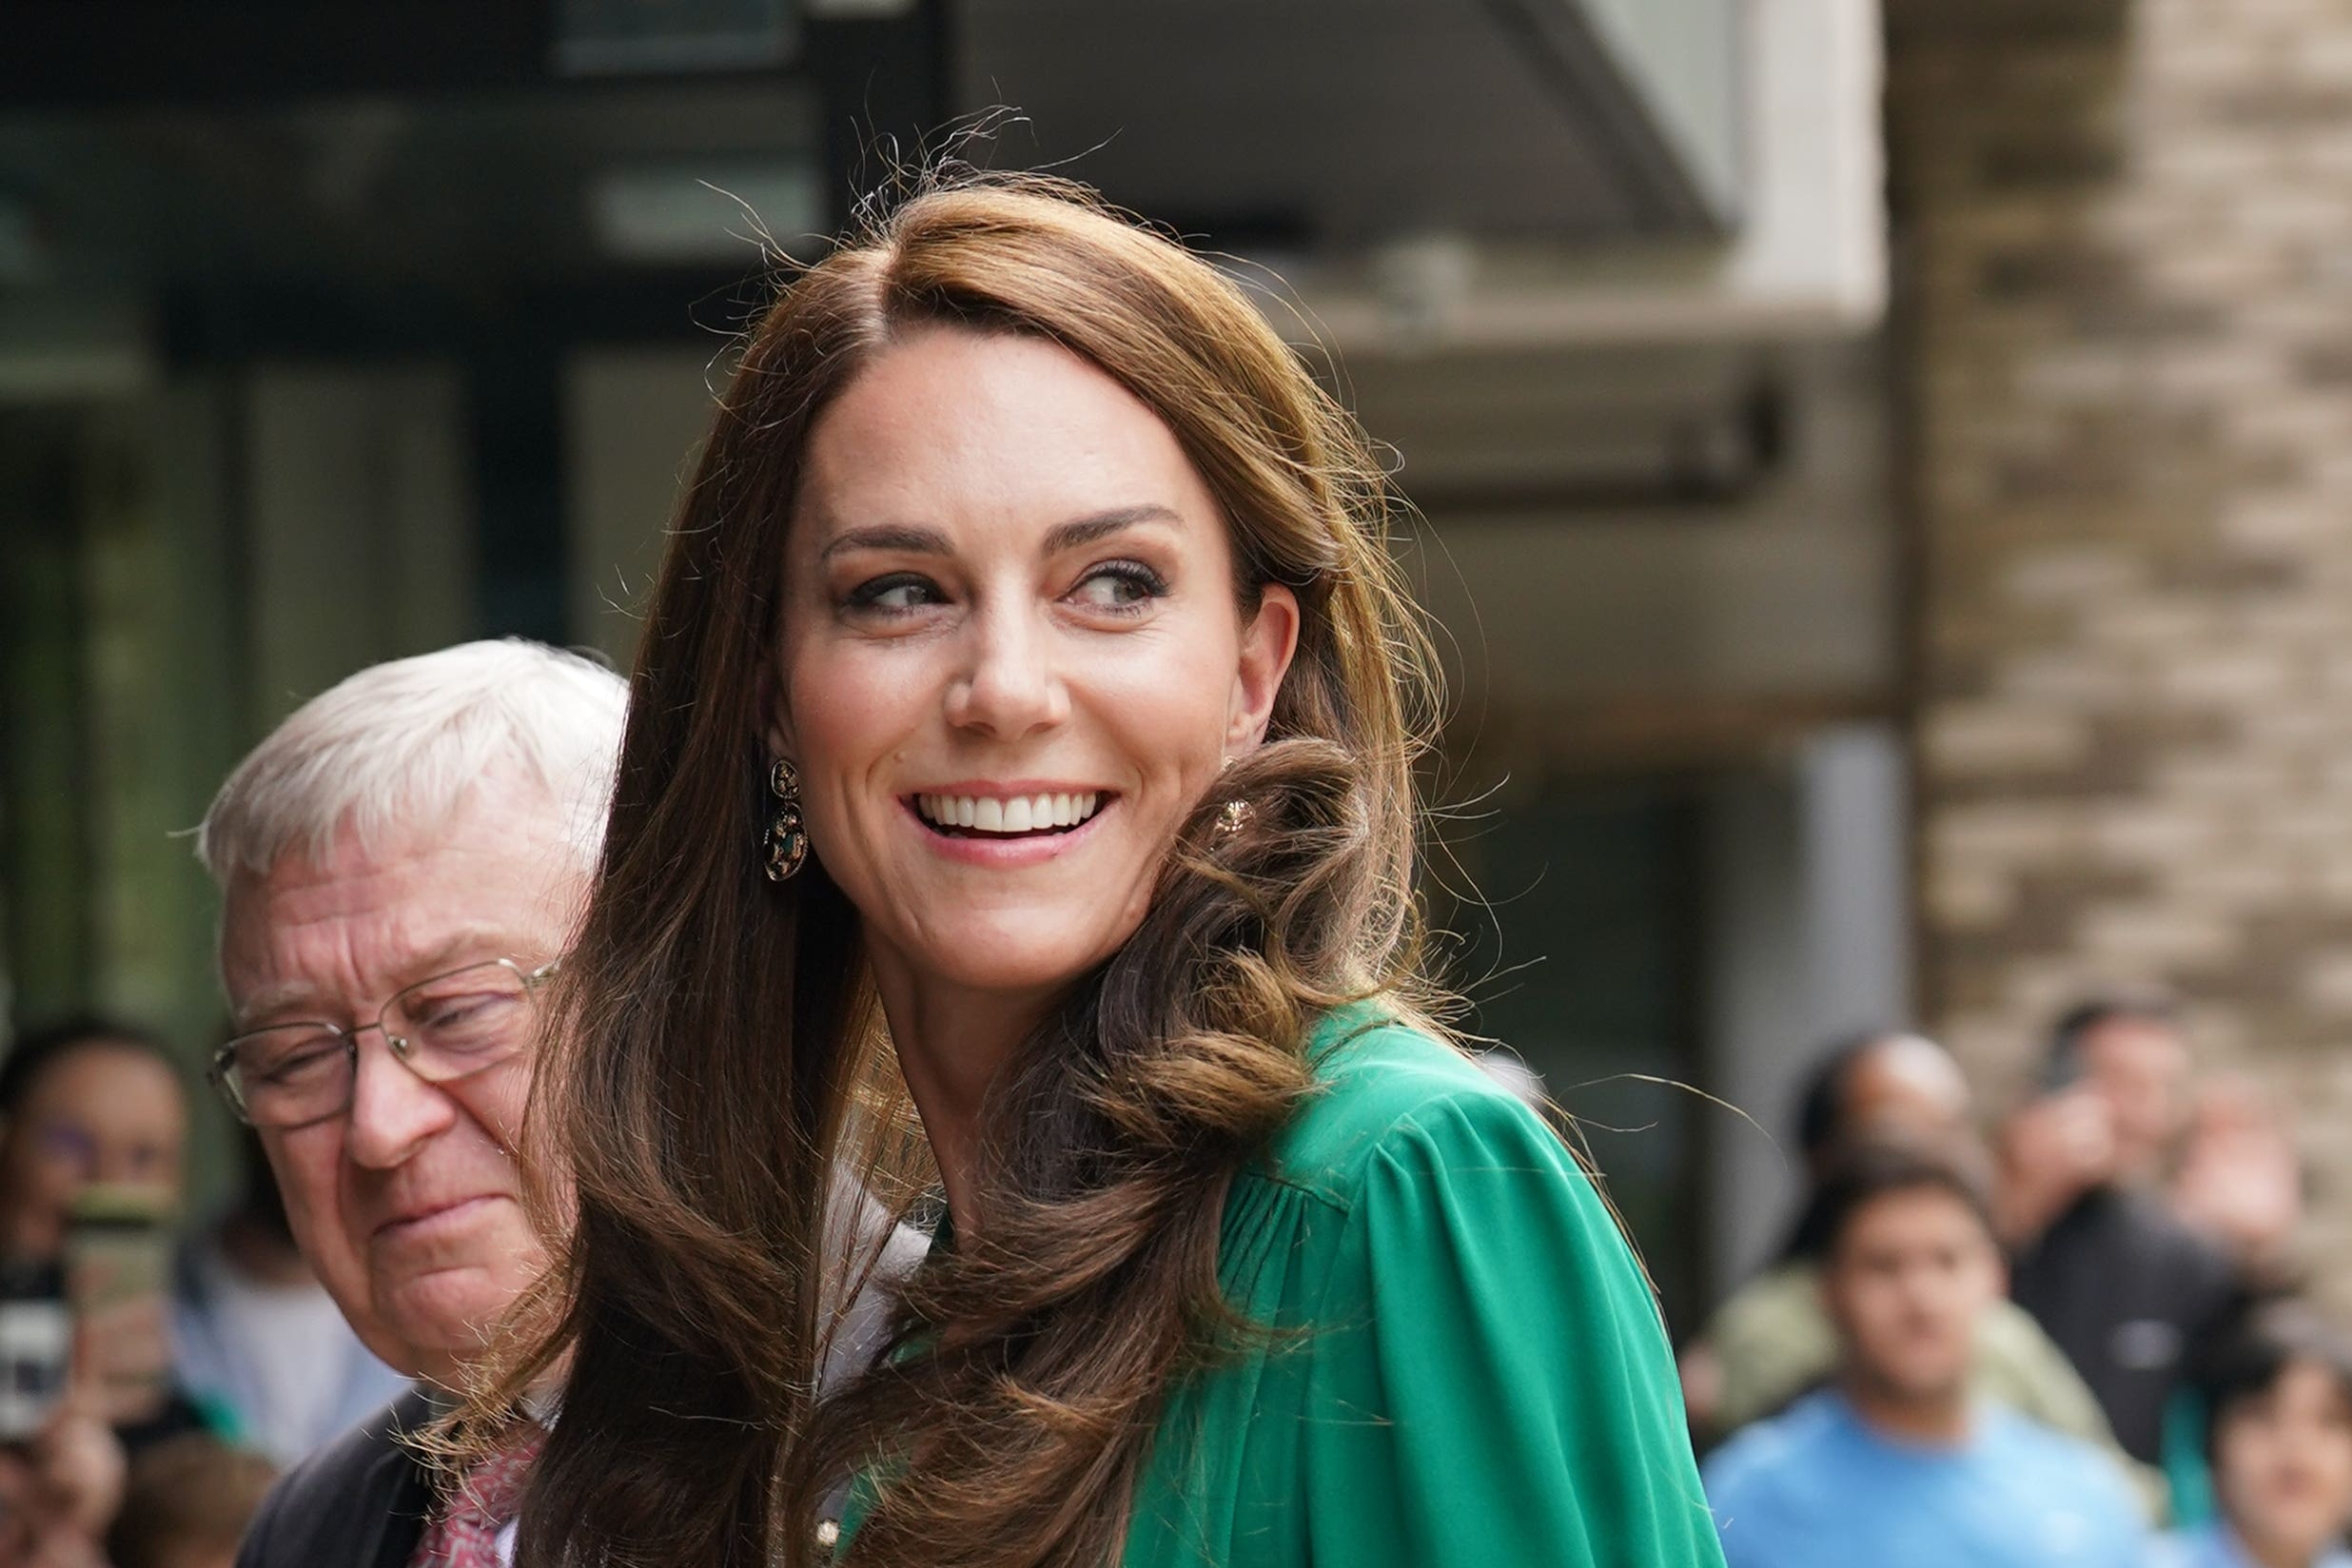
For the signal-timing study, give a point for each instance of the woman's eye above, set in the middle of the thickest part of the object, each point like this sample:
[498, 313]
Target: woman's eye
[895, 594]
[1119, 585]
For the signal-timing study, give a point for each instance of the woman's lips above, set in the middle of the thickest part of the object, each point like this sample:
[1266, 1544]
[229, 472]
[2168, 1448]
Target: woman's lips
[1008, 848]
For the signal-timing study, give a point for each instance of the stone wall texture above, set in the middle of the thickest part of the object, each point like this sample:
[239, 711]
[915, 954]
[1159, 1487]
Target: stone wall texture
[2124, 272]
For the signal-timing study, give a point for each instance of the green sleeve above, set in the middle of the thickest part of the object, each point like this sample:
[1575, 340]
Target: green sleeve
[1490, 1382]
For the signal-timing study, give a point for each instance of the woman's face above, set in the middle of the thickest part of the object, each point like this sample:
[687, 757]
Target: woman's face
[2283, 1462]
[1012, 656]
[102, 1111]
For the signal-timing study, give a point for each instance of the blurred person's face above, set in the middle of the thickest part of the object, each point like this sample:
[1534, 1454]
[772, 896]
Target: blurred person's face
[1012, 659]
[2282, 1464]
[1906, 1090]
[408, 1205]
[2140, 1067]
[104, 1111]
[1906, 1284]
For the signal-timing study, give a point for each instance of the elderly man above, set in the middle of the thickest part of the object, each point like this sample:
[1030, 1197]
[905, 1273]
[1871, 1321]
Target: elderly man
[402, 863]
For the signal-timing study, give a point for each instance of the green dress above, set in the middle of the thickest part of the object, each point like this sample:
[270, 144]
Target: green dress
[1483, 1381]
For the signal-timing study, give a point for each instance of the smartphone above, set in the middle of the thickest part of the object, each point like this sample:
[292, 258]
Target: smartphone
[36, 1347]
[118, 1275]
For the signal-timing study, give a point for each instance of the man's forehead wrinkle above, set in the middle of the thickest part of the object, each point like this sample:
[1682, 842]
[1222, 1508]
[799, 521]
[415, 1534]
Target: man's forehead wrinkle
[332, 1002]
[322, 940]
[334, 934]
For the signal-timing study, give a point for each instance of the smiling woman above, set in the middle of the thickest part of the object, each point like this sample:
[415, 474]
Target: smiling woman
[1027, 644]
[1029, 579]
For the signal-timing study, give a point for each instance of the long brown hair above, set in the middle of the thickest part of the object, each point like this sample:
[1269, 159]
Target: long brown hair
[718, 1059]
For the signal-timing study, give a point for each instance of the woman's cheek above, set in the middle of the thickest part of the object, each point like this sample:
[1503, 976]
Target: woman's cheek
[1169, 708]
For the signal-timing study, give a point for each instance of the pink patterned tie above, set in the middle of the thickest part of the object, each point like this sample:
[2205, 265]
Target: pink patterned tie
[464, 1530]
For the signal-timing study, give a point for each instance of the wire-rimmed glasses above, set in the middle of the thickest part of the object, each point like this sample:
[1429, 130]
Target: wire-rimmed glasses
[441, 1029]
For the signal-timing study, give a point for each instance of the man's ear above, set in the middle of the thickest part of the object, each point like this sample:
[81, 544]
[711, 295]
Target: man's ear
[1268, 641]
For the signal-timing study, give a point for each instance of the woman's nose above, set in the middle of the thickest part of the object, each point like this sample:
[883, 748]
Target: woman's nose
[1009, 686]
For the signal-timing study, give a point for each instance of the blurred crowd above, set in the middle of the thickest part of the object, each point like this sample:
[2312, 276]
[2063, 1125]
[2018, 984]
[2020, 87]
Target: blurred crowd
[156, 1372]
[2071, 1333]
[2078, 1338]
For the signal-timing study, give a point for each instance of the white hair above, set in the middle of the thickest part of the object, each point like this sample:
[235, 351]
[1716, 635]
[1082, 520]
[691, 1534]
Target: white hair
[393, 751]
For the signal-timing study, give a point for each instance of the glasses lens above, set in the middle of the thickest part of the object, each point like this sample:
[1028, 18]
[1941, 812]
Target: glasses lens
[461, 1023]
[285, 1077]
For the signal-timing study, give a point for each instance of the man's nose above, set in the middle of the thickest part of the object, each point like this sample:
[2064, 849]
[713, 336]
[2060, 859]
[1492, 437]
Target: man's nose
[393, 1112]
[1009, 687]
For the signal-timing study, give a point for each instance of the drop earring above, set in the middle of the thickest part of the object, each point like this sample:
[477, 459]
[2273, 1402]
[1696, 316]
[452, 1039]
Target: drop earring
[785, 845]
[1236, 813]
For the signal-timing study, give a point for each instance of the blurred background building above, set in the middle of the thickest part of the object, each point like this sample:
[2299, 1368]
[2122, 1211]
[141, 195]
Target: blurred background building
[1816, 664]
[2126, 341]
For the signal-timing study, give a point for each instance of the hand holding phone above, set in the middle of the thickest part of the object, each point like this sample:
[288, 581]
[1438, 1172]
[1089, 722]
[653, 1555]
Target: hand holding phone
[118, 1273]
[36, 1348]
[2054, 1150]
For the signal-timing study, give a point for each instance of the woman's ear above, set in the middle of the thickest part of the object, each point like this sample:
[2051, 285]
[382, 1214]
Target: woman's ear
[773, 712]
[1268, 640]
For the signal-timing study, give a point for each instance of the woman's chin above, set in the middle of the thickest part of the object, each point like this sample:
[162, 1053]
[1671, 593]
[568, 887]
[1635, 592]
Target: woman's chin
[938, 934]
[1016, 958]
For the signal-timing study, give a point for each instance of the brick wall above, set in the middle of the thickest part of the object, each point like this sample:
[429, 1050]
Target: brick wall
[2124, 315]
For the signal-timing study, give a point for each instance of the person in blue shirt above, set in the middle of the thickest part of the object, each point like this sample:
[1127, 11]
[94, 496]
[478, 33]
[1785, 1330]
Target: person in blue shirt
[2279, 1403]
[1895, 1462]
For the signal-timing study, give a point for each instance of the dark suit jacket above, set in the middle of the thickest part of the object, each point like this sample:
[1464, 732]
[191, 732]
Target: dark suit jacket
[359, 1502]
[362, 1500]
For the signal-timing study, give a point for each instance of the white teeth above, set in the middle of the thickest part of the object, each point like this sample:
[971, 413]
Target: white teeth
[1022, 813]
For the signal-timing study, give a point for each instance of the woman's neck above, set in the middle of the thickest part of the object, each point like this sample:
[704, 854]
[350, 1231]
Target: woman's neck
[954, 1043]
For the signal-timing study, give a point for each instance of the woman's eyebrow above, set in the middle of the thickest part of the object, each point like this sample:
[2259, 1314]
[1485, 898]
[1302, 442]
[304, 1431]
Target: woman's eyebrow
[918, 541]
[930, 541]
[1084, 531]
